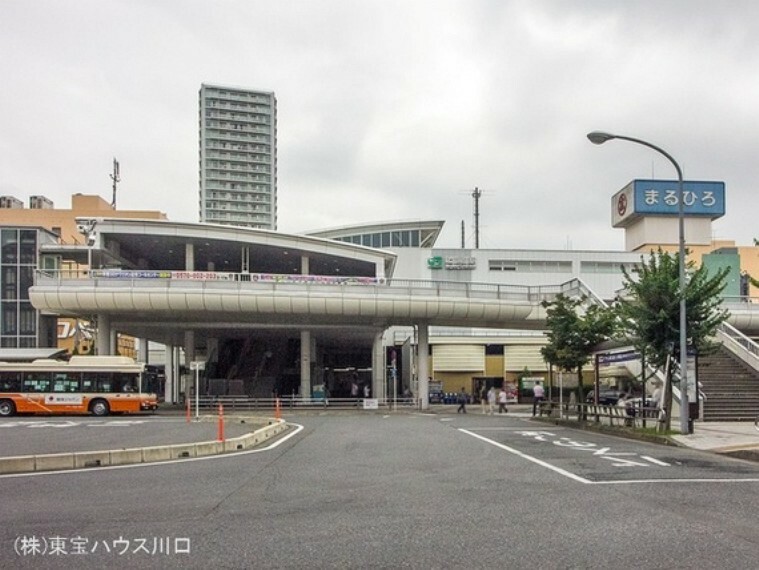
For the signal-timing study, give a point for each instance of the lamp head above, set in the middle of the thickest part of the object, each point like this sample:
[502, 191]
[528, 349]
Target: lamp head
[600, 137]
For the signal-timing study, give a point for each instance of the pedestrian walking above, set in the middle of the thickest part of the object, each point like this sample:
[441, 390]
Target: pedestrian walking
[462, 401]
[484, 399]
[538, 395]
[502, 399]
[491, 400]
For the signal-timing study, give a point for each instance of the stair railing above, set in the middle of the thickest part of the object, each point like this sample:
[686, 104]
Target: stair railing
[739, 344]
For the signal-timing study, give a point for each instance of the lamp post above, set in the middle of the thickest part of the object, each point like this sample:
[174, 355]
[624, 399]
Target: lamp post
[598, 137]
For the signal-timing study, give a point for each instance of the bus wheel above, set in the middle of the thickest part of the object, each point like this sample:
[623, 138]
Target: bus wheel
[99, 408]
[7, 408]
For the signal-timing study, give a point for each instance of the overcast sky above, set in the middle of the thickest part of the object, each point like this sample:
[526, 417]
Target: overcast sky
[392, 110]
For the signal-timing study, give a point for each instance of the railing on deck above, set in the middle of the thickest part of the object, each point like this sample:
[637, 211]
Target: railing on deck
[216, 280]
[248, 403]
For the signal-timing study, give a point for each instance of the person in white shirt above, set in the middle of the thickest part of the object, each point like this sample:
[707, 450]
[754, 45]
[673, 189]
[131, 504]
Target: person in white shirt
[491, 400]
[538, 395]
[656, 397]
[502, 398]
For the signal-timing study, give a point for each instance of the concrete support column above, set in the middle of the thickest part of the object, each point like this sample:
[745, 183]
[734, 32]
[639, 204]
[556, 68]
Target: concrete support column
[212, 349]
[305, 364]
[305, 265]
[173, 378]
[379, 384]
[423, 365]
[113, 342]
[189, 257]
[379, 270]
[103, 345]
[178, 383]
[189, 348]
[144, 350]
[189, 356]
[170, 373]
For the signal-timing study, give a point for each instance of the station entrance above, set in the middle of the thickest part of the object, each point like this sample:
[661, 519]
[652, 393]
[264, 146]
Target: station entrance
[266, 364]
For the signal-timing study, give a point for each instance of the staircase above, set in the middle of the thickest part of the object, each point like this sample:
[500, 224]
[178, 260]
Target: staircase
[731, 388]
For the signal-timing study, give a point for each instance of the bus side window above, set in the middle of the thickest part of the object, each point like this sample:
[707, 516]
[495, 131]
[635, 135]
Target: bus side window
[36, 382]
[10, 382]
[125, 382]
[66, 382]
[96, 382]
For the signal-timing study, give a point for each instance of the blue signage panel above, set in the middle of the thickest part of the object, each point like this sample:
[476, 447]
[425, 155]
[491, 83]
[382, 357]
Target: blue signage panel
[607, 358]
[662, 197]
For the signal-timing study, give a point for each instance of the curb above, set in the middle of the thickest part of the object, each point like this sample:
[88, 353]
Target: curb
[154, 454]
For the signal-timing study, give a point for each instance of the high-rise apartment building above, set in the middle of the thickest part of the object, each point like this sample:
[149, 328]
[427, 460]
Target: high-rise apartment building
[238, 157]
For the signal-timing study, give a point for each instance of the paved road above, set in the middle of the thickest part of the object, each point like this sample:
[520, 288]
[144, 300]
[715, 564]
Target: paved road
[31, 435]
[408, 491]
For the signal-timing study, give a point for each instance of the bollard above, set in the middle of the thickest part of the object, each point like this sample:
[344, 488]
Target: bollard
[277, 410]
[220, 433]
[187, 401]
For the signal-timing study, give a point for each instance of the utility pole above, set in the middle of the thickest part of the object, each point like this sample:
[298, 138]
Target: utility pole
[476, 195]
[463, 242]
[115, 177]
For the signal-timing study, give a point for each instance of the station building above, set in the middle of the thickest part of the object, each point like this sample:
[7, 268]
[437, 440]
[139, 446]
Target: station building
[378, 304]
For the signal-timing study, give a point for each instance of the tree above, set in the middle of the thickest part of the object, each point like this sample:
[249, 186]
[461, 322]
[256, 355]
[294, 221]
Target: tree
[573, 332]
[650, 312]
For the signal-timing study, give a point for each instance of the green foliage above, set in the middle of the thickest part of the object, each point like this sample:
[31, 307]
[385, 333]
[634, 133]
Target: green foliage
[650, 311]
[525, 373]
[573, 333]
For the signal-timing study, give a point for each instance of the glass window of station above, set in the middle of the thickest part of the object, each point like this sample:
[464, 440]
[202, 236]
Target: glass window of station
[401, 238]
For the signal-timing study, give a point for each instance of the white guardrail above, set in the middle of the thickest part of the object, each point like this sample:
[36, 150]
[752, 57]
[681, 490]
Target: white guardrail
[391, 286]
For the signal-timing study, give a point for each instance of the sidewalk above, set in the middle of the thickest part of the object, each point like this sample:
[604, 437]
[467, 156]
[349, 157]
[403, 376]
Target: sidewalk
[721, 437]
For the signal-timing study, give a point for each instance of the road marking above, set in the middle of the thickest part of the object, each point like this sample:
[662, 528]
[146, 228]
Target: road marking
[617, 482]
[639, 481]
[84, 423]
[652, 460]
[298, 429]
[502, 429]
[518, 453]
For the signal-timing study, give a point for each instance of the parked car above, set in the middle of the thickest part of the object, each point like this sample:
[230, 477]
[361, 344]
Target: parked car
[605, 397]
[636, 403]
[436, 396]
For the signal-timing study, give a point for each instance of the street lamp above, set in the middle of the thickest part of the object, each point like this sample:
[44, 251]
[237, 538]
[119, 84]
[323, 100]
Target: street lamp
[598, 137]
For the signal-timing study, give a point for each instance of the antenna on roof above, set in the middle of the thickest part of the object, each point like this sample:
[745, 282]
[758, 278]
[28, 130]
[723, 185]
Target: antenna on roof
[115, 177]
[476, 195]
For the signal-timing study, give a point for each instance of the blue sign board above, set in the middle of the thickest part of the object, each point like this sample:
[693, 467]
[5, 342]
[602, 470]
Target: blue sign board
[641, 198]
[662, 197]
[608, 358]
